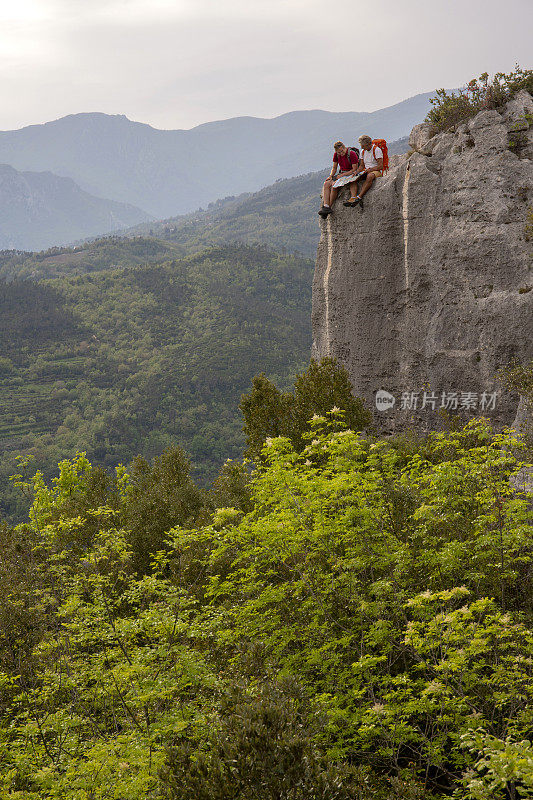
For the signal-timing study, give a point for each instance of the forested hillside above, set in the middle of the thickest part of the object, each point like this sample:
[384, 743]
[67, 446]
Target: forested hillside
[127, 361]
[108, 253]
[283, 216]
[357, 626]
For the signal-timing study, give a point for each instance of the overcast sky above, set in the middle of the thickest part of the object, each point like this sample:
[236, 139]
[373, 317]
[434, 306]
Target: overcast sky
[178, 63]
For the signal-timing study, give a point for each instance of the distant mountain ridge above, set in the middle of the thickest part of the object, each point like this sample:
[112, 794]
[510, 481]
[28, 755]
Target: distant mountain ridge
[170, 172]
[39, 209]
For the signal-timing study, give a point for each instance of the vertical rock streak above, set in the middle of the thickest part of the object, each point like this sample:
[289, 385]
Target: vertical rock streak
[405, 217]
[326, 283]
[403, 359]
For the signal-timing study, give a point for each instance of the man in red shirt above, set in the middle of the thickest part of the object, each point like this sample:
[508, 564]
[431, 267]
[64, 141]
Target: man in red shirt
[348, 161]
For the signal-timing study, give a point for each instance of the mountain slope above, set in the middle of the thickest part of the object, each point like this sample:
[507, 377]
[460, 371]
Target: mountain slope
[170, 172]
[109, 252]
[39, 209]
[282, 216]
[128, 361]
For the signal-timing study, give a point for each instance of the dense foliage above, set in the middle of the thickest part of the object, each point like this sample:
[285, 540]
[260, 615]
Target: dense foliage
[518, 378]
[450, 108]
[362, 630]
[267, 411]
[133, 360]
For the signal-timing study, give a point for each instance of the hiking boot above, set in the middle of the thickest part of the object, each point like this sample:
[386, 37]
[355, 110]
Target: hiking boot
[352, 202]
[324, 211]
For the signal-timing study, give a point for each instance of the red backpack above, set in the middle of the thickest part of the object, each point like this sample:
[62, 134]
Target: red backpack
[381, 143]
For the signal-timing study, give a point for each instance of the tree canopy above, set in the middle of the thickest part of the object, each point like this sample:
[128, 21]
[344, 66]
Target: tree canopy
[361, 630]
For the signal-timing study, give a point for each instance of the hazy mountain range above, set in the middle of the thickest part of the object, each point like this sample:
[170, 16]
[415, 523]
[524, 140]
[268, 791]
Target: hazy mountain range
[282, 216]
[40, 209]
[169, 172]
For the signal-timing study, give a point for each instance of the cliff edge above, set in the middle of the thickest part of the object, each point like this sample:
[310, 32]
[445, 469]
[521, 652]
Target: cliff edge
[428, 292]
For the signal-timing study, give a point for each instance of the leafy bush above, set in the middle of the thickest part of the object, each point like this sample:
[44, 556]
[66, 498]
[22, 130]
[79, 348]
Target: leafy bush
[260, 744]
[480, 93]
[269, 412]
[365, 631]
[519, 378]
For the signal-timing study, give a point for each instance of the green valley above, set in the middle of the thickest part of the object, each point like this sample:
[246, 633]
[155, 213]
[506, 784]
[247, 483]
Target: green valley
[133, 359]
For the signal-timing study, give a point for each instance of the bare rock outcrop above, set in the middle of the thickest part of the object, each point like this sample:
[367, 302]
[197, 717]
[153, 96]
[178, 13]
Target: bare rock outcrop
[420, 138]
[428, 292]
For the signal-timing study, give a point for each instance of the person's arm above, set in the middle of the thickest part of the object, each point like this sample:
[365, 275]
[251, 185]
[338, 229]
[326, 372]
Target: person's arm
[379, 160]
[355, 167]
[361, 165]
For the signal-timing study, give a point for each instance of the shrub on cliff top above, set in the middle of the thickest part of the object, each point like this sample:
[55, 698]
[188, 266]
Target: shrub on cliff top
[480, 93]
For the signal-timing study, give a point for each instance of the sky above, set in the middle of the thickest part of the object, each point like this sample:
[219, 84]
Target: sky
[179, 63]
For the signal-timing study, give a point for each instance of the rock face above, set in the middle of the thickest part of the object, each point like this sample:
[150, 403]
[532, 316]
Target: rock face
[428, 292]
[420, 137]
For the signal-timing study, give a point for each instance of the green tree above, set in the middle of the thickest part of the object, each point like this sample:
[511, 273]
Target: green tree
[260, 744]
[368, 621]
[412, 601]
[268, 412]
[157, 496]
[232, 488]
[112, 681]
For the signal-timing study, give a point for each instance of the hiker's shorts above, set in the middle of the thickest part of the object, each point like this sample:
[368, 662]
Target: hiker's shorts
[344, 180]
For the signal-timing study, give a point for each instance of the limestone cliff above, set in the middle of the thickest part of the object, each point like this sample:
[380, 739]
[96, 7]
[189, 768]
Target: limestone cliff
[430, 288]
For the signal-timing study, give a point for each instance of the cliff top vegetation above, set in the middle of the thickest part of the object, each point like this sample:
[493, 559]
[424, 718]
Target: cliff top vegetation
[450, 108]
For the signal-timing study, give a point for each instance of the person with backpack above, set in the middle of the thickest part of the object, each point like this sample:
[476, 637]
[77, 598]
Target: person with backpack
[374, 162]
[347, 158]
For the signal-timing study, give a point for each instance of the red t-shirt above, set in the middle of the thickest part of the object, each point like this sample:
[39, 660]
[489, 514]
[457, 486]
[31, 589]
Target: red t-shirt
[344, 162]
